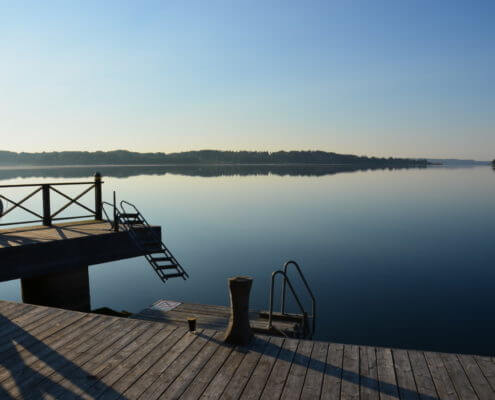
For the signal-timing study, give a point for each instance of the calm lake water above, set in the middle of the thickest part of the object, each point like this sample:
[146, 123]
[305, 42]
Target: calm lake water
[401, 258]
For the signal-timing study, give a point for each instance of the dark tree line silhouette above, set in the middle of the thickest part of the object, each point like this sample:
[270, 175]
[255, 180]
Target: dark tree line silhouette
[122, 157]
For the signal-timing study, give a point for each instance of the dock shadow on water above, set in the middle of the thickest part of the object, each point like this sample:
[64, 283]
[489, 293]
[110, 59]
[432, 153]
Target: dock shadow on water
[32, 369]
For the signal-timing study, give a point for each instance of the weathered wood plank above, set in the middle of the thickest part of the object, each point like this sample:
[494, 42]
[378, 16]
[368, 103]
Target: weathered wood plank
[332, 381]
[476, 377]
[461, 382]
[487, 366]
[67, 375]
[236, 385]
[145, 382]
[188, 376]
[124, 360]
[258, 378]
[28, 343]
[79, 384]
[297, 372]
[149, 366]
[445, 387]
[316, 369]
[74, 354]
[33, 359]
[404, 374]
[217, 385]
[350, 373]
[422, 376]
[173, 381]
[370, 389]
[276, 381]
[386, 374]
[209, 371]
[25, 323]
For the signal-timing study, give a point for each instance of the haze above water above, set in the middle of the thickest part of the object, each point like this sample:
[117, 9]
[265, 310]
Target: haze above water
[401, 258]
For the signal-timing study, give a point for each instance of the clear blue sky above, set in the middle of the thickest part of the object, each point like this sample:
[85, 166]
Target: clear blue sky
[405, 78]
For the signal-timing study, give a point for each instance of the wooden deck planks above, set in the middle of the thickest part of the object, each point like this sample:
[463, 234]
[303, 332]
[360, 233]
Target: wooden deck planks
[422, 376]
[276, 381]
[297, 374]
[207, 316]
[445, 387]
[386, 374]
[260, 374]
[368, 373]
[332, 380]
[316, 369]
[47, 353]
[405, 376]
[41, 234]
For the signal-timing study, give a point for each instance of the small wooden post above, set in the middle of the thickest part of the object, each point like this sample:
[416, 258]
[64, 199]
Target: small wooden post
[98, 204]
[239, 331]
[47, 217]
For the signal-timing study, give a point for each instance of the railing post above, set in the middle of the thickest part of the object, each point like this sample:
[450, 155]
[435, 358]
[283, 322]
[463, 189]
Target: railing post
[47, 217]
[115, 214]
[98, 203]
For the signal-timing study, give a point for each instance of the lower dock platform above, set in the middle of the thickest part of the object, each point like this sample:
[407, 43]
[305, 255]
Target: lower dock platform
[50, 353]
[214, 317]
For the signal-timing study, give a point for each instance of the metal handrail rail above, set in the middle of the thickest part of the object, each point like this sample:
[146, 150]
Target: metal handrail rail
[310, 292]
[114, 223]
[286, 279]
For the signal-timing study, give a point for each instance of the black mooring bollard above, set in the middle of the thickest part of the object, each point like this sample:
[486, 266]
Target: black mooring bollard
[239, 331]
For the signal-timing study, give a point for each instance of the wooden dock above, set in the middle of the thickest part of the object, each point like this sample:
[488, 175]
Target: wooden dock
[49, 353]
[214, 317]
[52, 261]
[38, 249]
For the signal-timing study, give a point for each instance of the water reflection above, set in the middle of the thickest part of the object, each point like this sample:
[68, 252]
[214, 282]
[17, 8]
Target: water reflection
[120, 171]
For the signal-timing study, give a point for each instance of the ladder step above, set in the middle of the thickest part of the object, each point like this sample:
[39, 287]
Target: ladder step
[154, 243]
[162, 258]
[168, 276]
[282, 317]
[162, 267]
[129, 215]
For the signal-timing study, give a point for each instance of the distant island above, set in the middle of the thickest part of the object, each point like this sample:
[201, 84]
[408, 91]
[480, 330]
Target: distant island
[456, 162]
[213, 157]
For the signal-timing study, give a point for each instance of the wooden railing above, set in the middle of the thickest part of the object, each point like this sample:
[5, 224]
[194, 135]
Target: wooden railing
[47, 216]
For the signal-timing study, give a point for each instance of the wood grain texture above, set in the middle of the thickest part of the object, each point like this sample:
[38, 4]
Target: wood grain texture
[48, 353]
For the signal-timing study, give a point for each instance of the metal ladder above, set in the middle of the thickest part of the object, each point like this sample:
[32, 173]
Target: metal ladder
[307, 330]
[154, 250]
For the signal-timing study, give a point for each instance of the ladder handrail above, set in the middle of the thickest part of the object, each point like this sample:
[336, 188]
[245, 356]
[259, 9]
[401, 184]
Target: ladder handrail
[270, 313]
[155, 236]
[310, 292]
[122, 202]
[116, 212]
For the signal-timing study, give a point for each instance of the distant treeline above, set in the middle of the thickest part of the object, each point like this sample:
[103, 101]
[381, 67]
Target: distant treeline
[123, 157]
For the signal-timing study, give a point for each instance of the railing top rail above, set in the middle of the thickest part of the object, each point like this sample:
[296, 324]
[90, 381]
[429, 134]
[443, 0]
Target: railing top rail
[49, 184]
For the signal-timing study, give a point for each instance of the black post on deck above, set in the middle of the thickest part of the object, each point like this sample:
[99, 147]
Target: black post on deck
[116, 221]
[47, 217]
[98, 203]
